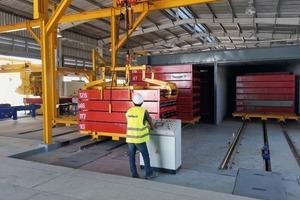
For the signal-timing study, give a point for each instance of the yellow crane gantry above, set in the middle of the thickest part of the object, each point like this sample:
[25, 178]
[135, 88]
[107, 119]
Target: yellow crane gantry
[48, 39]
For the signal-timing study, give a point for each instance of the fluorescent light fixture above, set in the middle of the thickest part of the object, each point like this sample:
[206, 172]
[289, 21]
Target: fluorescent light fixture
[59, 35]
[253, 35]
[250, 9]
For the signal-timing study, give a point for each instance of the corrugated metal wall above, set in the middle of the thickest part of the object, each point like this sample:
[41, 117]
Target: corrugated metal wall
[76, 49]
[13, 45]
[19, 43]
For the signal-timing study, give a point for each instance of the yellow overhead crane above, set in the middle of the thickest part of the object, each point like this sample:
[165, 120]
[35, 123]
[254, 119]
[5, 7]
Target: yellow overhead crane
[48, 38]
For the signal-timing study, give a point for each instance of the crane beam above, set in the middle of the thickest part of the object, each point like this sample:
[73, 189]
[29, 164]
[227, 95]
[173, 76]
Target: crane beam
[105, 13]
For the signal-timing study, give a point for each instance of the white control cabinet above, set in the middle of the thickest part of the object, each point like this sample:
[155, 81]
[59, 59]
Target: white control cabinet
[164, 146]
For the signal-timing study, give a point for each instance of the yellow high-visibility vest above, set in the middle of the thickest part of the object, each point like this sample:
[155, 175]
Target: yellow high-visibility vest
[137, 130]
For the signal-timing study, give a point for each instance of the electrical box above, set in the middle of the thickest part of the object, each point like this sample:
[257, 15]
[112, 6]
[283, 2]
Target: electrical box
[164, 146]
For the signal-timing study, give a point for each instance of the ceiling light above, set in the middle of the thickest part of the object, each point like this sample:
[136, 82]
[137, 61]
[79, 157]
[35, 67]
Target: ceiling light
[59, 35]
[138, 28]
[253, 35]
[250, 10]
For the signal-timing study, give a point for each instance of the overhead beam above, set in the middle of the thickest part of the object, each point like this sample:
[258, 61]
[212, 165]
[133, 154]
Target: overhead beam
[20, 26]
[217, 21]
[136, 23]
[60, 10]
[294, 21]
[154, 5]
[166, 4]
[228, 56]
[66, 26]
[279, 21]
[106, 12]
[268, 37]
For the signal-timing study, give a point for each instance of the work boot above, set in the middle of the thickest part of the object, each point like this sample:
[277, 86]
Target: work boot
[151, 176]
[135, 176]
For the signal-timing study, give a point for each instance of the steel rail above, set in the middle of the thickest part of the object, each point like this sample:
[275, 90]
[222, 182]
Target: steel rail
[89, 145]
[291, 144]
[224, 164]
[31, 131]
[92, 144]
[65, 133]
[266, 145]
[116, 146]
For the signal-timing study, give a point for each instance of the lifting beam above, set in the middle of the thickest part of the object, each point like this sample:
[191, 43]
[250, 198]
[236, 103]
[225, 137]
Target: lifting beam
[48, 39]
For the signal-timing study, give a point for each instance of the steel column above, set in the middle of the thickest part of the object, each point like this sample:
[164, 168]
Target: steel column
[48, 69]
[40, 9]
[216, 121]
[46, 85]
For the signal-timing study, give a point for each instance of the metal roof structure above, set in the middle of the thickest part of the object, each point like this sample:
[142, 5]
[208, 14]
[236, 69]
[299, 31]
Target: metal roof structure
[224, 24]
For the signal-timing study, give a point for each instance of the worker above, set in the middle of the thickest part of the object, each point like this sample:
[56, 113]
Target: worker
[138, 122]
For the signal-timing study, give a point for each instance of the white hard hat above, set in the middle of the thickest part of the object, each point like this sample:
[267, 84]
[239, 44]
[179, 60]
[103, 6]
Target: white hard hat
[138, 99]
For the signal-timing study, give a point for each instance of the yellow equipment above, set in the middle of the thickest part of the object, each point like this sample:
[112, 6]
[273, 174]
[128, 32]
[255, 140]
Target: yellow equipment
[31, 77]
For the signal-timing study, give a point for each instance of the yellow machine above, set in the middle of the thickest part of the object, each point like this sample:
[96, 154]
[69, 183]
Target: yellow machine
[31, 77]
[31, 80]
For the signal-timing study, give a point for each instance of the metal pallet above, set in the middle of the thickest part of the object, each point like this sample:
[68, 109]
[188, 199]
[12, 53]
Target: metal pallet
[264, 116]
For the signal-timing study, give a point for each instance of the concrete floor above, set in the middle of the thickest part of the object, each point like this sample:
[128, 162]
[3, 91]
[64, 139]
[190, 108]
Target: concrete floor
[104, 171]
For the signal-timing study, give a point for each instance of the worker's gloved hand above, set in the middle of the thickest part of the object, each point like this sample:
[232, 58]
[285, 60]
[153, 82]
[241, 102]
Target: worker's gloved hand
[152, 126]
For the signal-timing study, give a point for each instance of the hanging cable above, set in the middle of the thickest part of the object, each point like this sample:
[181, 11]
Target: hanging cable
[129, 25]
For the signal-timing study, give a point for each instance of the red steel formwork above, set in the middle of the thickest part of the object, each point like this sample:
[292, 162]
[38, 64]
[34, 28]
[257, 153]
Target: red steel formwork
[186, 79]
[266, 78]
[265, 109]
[277, 97]
[188, 116]
[103, 112]
[266, 92]
[287, 91]
[298, 95]
[184, 107]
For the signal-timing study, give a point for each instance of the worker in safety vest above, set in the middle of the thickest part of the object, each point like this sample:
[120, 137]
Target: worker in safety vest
[138, 122]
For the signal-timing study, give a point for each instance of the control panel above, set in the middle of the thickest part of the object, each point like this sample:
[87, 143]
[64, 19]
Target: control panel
[165, 126]
[164, 145]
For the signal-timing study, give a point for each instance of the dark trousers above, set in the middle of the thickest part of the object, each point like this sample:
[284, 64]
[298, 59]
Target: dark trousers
[142, 147]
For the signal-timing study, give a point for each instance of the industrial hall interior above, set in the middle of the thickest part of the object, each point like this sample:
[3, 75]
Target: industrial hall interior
[149, 99]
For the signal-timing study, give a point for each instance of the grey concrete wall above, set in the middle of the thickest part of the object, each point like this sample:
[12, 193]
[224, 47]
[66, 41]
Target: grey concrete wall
[294, 67]
[221, 94]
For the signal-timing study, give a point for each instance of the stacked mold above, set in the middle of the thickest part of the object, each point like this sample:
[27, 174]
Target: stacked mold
[266, 92]
[298, 95]
[188, 84]
[103, 112]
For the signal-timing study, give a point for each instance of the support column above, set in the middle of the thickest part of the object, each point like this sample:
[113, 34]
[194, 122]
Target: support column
[54, 89]
[48, 44]
[216, 93]
[47, 81]
[59, 63]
